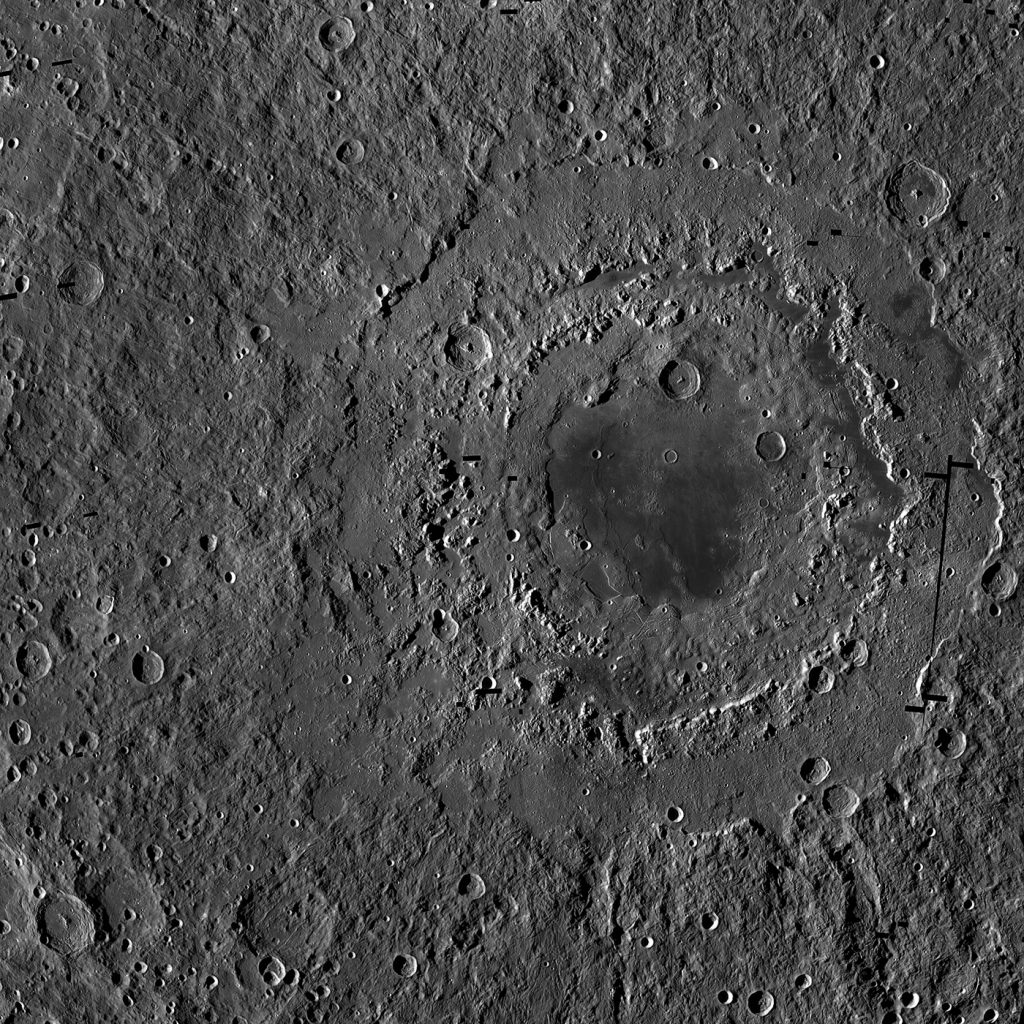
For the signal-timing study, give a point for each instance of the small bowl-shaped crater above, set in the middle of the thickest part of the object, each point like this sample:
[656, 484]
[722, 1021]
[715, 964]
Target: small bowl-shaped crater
[472, 886]
[66, 924]
[840, 801]
[33, 660]
[771, 446]
[821, 679]
[148, 667]
[337, 34]
[350, 152]
[404, 965]
[815, 770]
[951, 743]
[81, 283]
[680, 379]
[760, 1002]
[468, 348]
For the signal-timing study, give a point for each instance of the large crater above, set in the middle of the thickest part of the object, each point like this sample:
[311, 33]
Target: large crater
[669, 492]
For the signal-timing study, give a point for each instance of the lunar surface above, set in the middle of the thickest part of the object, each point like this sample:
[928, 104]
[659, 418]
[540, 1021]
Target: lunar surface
[510, 512]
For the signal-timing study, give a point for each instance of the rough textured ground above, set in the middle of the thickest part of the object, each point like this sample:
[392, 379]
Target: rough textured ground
[467, 547]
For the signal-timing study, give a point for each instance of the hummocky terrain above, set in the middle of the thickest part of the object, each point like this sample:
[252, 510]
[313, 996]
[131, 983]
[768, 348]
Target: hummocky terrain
[509, 513]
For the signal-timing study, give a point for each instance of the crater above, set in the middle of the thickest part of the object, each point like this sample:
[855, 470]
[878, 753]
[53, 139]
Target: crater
[662, 497]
